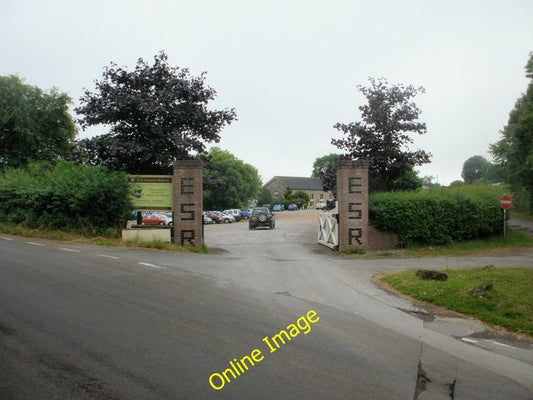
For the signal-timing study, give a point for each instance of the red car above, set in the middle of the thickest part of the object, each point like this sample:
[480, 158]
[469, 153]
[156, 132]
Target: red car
[153, 219]
[216, 218]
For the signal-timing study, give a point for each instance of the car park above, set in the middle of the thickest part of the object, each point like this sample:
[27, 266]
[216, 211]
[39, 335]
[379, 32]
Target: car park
[261, 217]
[236, 213]
[224, 217]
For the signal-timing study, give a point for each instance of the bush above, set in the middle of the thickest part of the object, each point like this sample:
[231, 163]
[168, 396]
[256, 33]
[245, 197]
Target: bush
[439, 216]
[64, 196]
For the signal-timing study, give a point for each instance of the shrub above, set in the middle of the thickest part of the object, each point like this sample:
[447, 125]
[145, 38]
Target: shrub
[440, 215]
[64, 196]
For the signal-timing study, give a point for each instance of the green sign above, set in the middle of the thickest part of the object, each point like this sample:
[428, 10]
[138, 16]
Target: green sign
[151, 192]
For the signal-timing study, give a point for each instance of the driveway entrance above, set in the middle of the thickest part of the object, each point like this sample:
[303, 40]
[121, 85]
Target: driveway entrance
[292, 227]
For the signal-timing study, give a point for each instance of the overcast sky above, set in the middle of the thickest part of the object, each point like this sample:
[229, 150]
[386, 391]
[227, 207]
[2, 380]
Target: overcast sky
[291, 68]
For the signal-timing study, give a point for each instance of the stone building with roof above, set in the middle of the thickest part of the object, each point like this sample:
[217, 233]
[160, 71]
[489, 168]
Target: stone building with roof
[312, 186]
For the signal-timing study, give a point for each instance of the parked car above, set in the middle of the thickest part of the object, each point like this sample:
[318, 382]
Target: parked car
[246, 214]
[292, 207]
[207, 220]
[236, 213]
[169, 220]
[278, 207]
[261, 217]
[320, 206]
[216, 218]
[224, 217]
[153, 219]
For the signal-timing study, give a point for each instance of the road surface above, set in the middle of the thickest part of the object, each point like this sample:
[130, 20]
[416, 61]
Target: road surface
[267, 315]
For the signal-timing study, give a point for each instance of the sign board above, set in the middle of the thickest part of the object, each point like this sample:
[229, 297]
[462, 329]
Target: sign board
[151, 192]
[505, 202]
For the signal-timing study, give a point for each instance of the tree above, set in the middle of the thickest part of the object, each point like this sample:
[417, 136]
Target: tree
[287, 195]
[324, 163]
[457, 183]
[477, 169]
[428, 181]
[34, 125]
[300, 198]
[409, 180]
[382, 136]
[264, 196]
[157, 114]
[513, 153]
[236, 183]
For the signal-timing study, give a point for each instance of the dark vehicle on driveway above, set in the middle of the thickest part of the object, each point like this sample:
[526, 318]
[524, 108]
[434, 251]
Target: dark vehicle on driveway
[261, 217]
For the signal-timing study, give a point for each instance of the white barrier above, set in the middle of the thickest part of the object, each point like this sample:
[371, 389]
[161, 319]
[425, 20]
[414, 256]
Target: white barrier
[328, 230]
[147, 234]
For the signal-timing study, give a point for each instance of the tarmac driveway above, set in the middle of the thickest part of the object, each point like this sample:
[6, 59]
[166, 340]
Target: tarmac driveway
[289, 260]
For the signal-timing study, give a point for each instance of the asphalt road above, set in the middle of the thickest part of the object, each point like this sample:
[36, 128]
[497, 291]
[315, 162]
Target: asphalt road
[89, 322]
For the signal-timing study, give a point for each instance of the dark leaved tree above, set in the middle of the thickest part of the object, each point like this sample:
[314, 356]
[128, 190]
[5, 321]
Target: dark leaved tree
[156, 113]
[382, 136]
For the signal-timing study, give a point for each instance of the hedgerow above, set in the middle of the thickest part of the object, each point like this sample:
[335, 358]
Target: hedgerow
[64, 196]
[439, 216]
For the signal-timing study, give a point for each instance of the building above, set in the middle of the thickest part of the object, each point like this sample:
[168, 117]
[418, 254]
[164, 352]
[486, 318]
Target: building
[312, 186]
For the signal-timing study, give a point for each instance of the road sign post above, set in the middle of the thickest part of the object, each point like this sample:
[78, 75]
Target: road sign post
[505, 203]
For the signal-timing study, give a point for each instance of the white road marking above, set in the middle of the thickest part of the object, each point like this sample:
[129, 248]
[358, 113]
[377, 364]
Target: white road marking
[106, 256]
[468, 340]
[151, 265]
[501, 344]
[37, 244]
[67, 249]
[6, 238]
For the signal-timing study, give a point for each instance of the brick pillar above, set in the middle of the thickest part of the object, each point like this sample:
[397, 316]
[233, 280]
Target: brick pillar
[352, 193]
[188, 203]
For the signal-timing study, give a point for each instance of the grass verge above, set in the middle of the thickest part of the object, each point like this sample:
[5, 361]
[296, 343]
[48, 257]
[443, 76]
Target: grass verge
[112, 239]
[509, 304]
[514, 240]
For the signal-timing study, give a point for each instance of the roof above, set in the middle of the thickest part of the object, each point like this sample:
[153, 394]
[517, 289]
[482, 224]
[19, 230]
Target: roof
[298, 183]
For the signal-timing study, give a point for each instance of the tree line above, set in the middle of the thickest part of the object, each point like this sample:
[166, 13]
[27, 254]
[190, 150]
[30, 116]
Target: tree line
[157, 113]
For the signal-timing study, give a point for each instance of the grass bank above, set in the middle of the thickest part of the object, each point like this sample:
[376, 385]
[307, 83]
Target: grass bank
[113, 239]
[509, 304]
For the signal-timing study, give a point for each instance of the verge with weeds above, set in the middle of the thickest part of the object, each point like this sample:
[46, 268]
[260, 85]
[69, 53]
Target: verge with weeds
[112, 239]
[513, 241]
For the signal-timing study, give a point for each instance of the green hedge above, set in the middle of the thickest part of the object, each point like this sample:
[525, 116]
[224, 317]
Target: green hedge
[64, 196]
[439, 216]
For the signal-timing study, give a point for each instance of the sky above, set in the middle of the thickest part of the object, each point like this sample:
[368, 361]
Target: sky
[291, 68]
